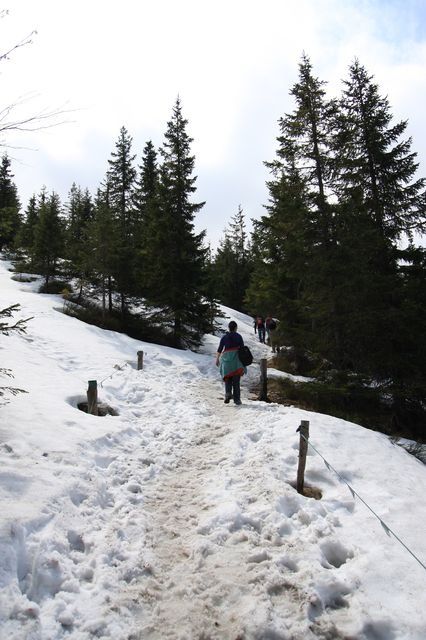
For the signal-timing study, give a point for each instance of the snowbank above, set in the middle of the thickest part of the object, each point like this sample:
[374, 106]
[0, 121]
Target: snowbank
[177, 518]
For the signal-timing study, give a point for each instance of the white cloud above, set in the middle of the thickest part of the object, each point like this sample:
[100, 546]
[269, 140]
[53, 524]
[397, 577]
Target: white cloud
[232, 63]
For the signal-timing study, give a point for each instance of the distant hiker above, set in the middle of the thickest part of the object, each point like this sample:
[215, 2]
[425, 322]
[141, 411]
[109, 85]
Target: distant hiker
[270, 325]
[229, 363]
[255, 324]
[260, 325]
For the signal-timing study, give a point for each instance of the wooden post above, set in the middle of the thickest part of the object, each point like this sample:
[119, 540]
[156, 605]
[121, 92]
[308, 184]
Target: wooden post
[92, 398]
[263, 395]
[303, 450]
[140, 360]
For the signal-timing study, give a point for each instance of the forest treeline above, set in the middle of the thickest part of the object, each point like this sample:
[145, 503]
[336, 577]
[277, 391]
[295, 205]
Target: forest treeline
[336, 256]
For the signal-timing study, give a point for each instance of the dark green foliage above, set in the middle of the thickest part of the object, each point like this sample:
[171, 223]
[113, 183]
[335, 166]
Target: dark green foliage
[48, 236]
[340, 198]
[374, 165]
[103, 247]
[6, 329]
[327, 259]
[9, 205]
[232, 265]
[354, 399]
[121, 178]
[294, 245]
[378, 204]
[56, 286]
[280, 252]
[174, 252]
[146, 186]
[146, 202]
[148, 328]
[79, 209]
[348, 400]
[25, 236]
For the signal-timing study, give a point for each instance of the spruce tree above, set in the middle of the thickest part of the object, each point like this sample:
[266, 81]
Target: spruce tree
[232, 264]
[121, 177]
[103, 237]
[146, 184]
[281, 254]
[9, 205]
[373, 161]
[380, 203]
[298, 236]
[25, 237]
[175, 249]
[146, 213]
[18, 327]
[48, 236]
[79, 209]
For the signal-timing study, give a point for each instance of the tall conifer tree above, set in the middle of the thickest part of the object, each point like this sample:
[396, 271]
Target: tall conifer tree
[103, 236]
[380, 202]
[175, 248]
[79, 209]
[48, 236]
[9, 205]
[121, 180]
[281, 257]
[25, 238]
[147, 205]
[300, 234]
[231, 267]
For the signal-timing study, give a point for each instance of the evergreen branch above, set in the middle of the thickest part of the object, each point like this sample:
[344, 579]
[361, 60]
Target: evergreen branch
[19, 326]
[13, 390]
[9, 311]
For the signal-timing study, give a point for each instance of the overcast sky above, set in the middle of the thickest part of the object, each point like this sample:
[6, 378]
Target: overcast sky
[232, 62]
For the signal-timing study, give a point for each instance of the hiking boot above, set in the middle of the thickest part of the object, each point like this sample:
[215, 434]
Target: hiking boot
[227, 399]
[237, 402]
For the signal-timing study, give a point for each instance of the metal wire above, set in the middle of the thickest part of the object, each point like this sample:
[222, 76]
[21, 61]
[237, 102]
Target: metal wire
[386, 528]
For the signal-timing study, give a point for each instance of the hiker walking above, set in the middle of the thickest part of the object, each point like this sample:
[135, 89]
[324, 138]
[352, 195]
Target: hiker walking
[229, 364]
[260, 325]
[270, 325]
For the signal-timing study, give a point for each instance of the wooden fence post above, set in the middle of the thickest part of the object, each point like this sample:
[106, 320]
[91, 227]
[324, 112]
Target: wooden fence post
[92, 398]
[303, 450]
[140, 360]
[263, 395]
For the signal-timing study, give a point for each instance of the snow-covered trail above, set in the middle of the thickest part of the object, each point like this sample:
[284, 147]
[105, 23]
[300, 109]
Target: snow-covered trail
[175, 532]
[200, 587]
[218, 561]
[177, 518]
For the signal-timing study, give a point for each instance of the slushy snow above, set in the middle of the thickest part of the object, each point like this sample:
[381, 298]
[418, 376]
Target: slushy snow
[178, 518]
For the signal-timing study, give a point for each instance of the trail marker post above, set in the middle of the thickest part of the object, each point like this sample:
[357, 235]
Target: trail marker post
[140, 360]
[263, 394]
[92, 397]
[303, 450]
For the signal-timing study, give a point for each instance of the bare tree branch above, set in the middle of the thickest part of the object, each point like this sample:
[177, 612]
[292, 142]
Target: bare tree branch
[42, 119]
[22, 43]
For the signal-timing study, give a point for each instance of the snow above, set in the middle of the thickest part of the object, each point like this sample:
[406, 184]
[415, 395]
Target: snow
[276, 373]
[177, 518]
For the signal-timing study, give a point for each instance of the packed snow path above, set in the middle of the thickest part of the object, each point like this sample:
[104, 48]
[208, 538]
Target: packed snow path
[177, 518]
[208, 578]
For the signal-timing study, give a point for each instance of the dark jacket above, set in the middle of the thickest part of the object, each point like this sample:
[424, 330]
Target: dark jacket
[230, 364]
